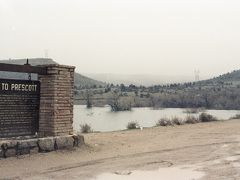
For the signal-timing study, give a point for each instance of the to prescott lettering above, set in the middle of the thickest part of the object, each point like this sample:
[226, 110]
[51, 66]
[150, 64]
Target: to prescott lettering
[18, 87]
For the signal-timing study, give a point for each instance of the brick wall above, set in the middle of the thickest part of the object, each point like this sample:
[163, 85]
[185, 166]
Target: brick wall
[56, 101]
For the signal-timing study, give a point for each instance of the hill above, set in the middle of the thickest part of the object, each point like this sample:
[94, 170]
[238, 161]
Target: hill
[222, 92]
[232, 77]
[80, 80]
[228, 80]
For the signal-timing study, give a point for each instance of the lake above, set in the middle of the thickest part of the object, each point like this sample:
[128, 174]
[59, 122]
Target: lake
[102, 119]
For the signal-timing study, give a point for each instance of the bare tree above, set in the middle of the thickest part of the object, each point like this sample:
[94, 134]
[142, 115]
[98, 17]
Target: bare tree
[117, 104]
[87, 95]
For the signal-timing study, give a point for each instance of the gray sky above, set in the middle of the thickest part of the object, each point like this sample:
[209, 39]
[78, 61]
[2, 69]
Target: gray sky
[125, 36]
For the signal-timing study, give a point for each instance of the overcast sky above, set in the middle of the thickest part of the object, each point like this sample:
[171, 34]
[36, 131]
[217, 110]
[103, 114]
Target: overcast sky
[125, 36]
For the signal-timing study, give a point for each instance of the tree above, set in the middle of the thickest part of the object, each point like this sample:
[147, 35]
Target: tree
[87, 95]
[117, 104]
[122, 87]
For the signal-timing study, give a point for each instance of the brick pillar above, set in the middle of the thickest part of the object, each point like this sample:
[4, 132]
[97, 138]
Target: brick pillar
[56, 101]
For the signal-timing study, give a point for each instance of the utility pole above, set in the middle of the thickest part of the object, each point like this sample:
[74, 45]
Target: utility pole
[46, 53]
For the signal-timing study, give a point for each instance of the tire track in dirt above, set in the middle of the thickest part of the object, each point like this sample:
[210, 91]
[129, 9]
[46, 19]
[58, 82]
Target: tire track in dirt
[99, 161]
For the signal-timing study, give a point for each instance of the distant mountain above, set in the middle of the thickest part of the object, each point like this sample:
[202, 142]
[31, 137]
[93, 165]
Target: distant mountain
[141, 79]
[151, 79]
[80, 80]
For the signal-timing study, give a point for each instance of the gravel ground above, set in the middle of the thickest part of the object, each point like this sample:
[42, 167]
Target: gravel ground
[212, 148]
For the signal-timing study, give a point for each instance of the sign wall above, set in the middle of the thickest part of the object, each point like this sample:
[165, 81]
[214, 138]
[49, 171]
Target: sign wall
[19, 107]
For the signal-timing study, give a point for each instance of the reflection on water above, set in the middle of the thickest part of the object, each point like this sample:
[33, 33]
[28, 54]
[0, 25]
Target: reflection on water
[102, 119]
[161, 174]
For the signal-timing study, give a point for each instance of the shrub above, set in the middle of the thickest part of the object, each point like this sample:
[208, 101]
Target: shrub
[177, 121]
[120, 107]
[237, 116]
[85, 128]
[132, 125]
[204, 117]
[191, 120]
[164, 122]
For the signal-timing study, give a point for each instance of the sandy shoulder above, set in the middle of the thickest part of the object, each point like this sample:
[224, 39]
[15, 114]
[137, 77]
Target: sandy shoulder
[213, 147]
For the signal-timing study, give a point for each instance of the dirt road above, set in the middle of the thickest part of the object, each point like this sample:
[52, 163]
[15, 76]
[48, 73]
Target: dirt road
[212, 147]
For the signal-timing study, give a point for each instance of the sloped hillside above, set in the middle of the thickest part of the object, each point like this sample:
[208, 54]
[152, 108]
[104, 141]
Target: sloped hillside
[233, 76]
[80, 80]
[231, 79]
[222, 92]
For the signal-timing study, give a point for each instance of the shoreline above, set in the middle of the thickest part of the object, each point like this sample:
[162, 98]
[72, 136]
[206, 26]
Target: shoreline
[158, 108]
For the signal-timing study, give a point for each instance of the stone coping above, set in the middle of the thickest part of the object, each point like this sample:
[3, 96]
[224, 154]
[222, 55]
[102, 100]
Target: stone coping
[17, 147]
[19, 138]
[57, 65]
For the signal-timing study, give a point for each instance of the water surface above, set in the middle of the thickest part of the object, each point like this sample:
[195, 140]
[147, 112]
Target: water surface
[102, 119]
[172, 173]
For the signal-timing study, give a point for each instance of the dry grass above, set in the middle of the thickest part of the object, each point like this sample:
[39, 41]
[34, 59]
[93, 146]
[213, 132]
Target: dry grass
[177, 121]
[85, 128]
[191, 120]
[164, 122]
[237, 116]
[205, 117]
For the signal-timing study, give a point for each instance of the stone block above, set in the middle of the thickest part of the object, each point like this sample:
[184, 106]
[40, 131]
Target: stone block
[34, 150]
[25, 146]
[23, 151]
[10, 153]
[1, 153]
[28, 143]
[8, 144]
[64, 142]
[46, 144]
